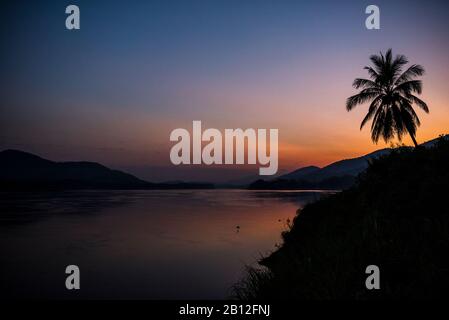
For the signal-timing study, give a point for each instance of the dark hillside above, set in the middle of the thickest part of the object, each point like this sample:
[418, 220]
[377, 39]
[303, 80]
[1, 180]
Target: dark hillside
[396, 217]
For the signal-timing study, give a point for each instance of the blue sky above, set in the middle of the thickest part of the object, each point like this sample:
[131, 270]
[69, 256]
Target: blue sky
[112, 91]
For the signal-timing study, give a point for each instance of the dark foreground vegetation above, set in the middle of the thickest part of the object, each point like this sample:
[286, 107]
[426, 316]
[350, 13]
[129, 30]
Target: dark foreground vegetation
[395, 217]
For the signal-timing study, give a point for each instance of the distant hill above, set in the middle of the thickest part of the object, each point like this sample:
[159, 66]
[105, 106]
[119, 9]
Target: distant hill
[21, 170]
[301, 173]
[347, 167]
[337, 175]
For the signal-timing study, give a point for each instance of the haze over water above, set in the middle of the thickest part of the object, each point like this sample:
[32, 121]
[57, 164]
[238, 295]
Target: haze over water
[176, 244]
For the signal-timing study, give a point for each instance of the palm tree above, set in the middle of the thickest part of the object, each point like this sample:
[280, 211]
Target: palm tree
[391, 95]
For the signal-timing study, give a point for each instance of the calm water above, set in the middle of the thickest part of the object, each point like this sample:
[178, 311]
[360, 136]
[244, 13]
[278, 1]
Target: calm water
[138, 244]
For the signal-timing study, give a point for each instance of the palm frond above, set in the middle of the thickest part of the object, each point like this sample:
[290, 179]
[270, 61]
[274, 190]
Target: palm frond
[413, 71]
[388, 57]
[409, 123]
[408, 87]
[376, 125]
[364, 84]
[406, 104]
[372, 110]
[360, 98]
[418, 102]
[388, 127]
[397, 64]
[378, 62]
[398, 126]
[372, 73]
[400, 60]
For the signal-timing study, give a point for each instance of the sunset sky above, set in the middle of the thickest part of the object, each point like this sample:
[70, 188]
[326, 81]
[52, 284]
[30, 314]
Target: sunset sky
[113, 91]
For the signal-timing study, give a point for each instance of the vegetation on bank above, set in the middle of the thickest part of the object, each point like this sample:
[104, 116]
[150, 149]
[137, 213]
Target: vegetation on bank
[396, 216]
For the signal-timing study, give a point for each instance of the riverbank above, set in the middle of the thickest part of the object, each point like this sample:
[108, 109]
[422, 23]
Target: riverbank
[395, 217]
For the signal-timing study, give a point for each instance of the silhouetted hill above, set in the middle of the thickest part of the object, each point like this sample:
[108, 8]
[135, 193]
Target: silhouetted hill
[338, 175]
[395, 217]
[300, 173]
[351, 167]
[21, 170]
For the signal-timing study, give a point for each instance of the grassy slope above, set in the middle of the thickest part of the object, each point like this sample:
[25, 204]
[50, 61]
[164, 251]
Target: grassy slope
[396, 217]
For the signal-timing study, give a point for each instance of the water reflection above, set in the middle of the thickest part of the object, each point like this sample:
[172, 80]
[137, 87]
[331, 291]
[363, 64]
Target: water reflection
[183, 244]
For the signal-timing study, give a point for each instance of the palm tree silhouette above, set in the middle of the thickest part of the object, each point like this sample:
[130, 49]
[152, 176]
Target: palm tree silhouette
[391, 95]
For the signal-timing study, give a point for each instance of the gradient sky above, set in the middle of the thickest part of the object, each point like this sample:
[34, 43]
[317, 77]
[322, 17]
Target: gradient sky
[113, 91]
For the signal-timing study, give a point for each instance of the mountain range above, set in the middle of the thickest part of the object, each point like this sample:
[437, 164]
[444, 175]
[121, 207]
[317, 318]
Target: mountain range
[337, 175]
[25, 171]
